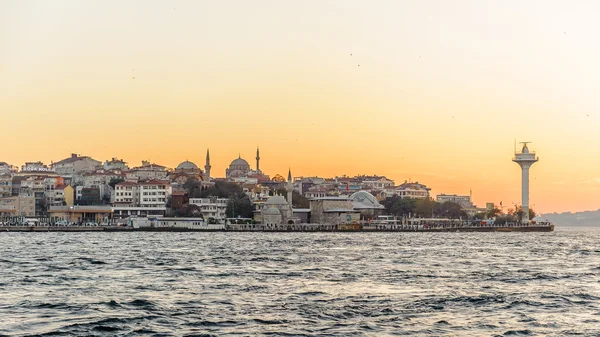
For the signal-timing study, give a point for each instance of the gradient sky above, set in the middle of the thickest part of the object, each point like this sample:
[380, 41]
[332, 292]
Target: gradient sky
[441, 93]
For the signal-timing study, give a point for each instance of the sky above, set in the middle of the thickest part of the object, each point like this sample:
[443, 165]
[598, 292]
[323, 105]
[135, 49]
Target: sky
[429, 91]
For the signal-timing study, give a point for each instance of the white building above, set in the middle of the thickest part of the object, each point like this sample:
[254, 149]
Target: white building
[147, 171]
[211, 207]
[7, 168]
[115, 164]
[153, 193]
[75, 165]
[407, 190]
[463, 200]
[146, 198]
[126, 193]
[5, 184]
[101, 180]
[35, 166]
[56, 196]
[378, 184]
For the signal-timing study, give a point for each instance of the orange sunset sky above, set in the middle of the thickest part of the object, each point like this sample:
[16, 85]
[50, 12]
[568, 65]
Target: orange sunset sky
[431, 91]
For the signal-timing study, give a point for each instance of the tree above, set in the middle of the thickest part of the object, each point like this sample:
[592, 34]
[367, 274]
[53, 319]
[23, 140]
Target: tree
[239, 206]
[399, 206]
[424, 207]
[532, 213]
[449, 210]
[193, 187]
[191, 211]
[493, 212]
[298, 200]
[222, 189]
[114, 181]
[517, 213]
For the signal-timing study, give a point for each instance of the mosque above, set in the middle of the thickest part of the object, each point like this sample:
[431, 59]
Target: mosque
[185, 171]
[239, 168]
[277, 210]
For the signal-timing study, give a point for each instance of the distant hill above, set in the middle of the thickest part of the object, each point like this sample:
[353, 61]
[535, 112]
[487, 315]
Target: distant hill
[579, 219]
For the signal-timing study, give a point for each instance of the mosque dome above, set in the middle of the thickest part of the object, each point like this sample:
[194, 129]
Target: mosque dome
[187, 165]
[364, 199]
[276, 200]
[239, 162]
[272, 211]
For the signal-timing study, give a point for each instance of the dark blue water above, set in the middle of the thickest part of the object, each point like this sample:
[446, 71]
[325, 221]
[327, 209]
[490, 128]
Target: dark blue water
[300, 284]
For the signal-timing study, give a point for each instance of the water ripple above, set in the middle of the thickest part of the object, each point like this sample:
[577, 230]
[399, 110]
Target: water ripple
[300, 284]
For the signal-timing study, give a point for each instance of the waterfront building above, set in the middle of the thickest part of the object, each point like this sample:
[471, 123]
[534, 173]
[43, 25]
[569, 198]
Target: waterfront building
[179, 199]
[89, 195]
[333, 211]
[17, 206]
[145, 198]
[56, 196]
[212, 207]
[277, 211]
[74, 165]
[126, 193]
[69, 195]
[463, 200]
[6, 180]
[97, 214]
[153, 193]
[366, 204]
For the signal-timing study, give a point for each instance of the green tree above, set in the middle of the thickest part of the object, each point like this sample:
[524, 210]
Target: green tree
[424, 207]
[239, 205]
[191, 211]
[222, 189]
[532, 213]
[493, 212]
[298, 200]
[399, 206]
[114, 181]
[193, 187]
[450, 210]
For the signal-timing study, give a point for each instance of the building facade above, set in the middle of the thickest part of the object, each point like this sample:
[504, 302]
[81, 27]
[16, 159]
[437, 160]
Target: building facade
[214, 207]
[75, 165]
[463, 200]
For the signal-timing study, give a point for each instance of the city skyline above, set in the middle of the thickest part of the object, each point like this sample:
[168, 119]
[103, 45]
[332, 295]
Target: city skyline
[431, 91]
[221, 173]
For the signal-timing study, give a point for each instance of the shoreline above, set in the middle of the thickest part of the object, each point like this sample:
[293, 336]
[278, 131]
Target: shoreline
[114, 229]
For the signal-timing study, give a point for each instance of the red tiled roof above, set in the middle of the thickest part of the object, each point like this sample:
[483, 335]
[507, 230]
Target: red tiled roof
[153, 182]
[126, 183]
[72, 160]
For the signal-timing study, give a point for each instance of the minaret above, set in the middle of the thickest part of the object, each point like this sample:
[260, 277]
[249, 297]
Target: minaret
[525, 160]
[290, 188]
[207, 166]
[257, 160]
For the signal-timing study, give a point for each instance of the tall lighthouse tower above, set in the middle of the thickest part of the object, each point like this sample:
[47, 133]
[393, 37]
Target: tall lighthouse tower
[525, 159]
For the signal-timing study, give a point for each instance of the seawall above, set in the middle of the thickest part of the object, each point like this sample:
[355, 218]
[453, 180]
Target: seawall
[174, 229]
